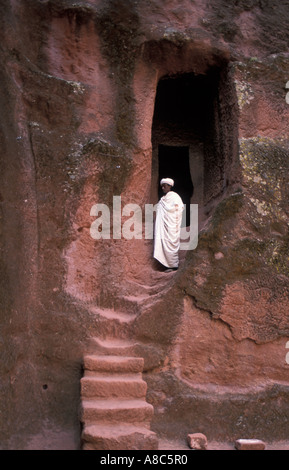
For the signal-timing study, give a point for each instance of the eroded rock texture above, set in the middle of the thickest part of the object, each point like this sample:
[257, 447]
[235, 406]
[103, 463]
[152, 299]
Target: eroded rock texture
[89, 91]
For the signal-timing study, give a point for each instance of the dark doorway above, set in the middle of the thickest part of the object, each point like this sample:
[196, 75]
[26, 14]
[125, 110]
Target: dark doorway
[195, 137]
[174, 162]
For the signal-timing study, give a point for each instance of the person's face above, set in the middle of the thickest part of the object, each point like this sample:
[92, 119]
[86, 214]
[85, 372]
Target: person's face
[166, 188]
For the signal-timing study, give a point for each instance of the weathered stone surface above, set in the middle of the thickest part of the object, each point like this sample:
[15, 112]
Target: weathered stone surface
[197, 441]
[79, 84]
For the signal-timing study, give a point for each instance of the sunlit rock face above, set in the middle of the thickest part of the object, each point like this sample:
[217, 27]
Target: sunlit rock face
[90, 91]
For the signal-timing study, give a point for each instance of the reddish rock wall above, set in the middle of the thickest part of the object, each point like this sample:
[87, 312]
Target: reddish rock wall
[78, 88]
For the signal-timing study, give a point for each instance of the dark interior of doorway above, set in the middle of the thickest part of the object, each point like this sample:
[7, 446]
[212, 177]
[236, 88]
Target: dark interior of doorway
[174, 162]
[195, 137]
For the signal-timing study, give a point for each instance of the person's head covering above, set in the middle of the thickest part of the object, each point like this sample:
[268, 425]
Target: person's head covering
[167, 181]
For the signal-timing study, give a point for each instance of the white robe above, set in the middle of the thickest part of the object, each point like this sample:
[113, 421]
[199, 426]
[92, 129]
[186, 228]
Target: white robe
[167, 229]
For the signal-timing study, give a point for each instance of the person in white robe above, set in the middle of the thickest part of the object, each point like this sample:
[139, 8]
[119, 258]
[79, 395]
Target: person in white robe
[168, 226]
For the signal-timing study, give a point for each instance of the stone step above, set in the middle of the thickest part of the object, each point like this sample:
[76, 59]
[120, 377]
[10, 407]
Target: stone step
[112, 347]
[111, 313]
[153, 355]
[110, 386]
[130, 304]
[113, 364]
[120, 437]
[116, 411]
[111, 323]
[148, 291]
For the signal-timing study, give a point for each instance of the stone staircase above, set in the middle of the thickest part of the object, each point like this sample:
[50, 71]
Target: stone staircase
[115, 415]
[114, 412]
